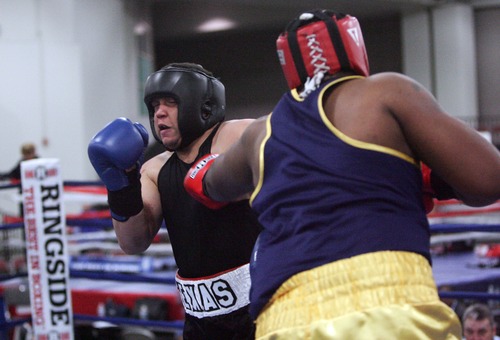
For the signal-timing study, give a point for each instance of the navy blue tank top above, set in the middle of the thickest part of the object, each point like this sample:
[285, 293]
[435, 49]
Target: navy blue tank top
[323, 196]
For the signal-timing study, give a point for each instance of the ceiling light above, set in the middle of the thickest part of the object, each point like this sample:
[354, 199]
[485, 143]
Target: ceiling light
[216, 24]
[141, 28]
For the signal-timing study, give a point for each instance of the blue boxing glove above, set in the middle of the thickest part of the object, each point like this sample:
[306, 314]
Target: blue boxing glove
[116, 148]
[116, 154]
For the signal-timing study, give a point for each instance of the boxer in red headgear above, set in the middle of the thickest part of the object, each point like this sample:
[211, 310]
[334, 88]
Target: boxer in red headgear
[334, 175]
[330, 44]
[320, 43]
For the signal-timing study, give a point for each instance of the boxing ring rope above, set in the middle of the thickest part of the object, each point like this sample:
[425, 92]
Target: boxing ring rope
[457, 228]
[451, 222]
[96, 220]
[445, 227]
[469, 295]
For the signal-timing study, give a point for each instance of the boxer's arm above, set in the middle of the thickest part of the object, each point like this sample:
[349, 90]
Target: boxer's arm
[434, 187]
[116, 154]
[234, 173]
[230, 176]
[461, 156]
[136, 234]
[194, 182]
[225, 183]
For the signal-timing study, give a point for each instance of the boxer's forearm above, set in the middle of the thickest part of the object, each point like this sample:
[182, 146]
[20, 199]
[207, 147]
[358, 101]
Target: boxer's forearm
[136, 234]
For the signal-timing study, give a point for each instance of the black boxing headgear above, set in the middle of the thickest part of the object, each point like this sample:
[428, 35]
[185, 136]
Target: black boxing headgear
[200, 97]
[321, 42]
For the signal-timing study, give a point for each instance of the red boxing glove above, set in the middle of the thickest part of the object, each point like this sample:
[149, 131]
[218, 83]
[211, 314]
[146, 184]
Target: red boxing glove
[428, 191]
[193, 182]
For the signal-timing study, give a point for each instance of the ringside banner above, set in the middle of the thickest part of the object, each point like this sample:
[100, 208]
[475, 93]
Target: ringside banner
[46, 249]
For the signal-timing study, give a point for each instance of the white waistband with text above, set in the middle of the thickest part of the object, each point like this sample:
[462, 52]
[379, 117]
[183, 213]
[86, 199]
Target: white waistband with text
[215, 295]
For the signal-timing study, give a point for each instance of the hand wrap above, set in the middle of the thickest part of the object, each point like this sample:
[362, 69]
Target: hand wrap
[113, 151]
[434, 187]
[428, 192]
[194, 182]
[127, 201]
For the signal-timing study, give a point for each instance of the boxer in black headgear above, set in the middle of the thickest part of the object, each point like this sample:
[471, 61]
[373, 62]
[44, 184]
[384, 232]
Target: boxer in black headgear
[199, 96]
[211, 247]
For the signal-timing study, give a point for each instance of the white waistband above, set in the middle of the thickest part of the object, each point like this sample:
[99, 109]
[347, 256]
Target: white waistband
[215, 295]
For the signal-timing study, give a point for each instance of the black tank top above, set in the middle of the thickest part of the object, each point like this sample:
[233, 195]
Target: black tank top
[204, 241]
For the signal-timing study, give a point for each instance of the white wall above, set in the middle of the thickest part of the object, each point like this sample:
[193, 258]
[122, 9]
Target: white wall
[67, 67]
[488, 40]
[439, 52]
[453, 50]
[417, 48]
[455, 60]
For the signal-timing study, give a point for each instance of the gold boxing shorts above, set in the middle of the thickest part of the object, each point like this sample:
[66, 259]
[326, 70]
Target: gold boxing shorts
[389, 295]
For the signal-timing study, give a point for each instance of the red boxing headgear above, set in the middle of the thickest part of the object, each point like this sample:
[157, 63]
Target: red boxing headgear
[321, 41]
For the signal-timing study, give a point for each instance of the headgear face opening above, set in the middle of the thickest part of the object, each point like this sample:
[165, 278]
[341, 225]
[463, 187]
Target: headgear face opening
[321, 41]
[200, 98]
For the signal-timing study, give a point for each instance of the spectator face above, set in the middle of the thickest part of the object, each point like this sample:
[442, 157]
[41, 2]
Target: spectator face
[478, 329]
[28, 151]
